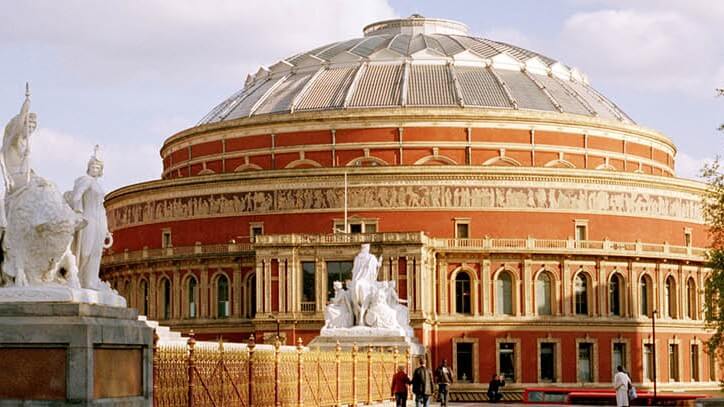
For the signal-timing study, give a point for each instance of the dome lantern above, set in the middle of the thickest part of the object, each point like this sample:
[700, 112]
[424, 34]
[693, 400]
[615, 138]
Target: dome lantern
[416, 24]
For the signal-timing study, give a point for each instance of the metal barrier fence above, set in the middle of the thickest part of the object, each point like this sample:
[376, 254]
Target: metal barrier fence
[216, 374]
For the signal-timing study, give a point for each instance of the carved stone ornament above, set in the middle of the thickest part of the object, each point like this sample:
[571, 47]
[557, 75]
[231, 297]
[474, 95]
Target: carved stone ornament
[38, 231]
[367, 307]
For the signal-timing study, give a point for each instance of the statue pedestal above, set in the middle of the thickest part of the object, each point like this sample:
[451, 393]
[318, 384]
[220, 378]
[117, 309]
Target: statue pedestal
[60, 293]
[62, 354]
[365, 337]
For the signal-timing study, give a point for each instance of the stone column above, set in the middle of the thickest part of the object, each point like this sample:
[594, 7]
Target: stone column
[204, 297]
[152, 297]
[486, 292]
[443, 300]
[601, 288]
[259, 279]
[566, 288]
[410, 294]
[236, 291]
[267, 285]
[320, 275]
[282, 284]
[633, 289]
[527, 283]
[176, 293]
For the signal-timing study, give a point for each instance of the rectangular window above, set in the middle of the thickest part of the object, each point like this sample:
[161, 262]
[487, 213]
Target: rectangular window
[308, 282]
[464, 353]
[581, 232]
[585, 362]
[674, 362]
[166, 238]
[619, 356]
[370, 228]
[355, 228]
[462, 230]
[506, 360]
[547, 359]
[649, 362]
[695, 362]
[256, 230]
[687, 238]
[337, 271]
[712, 366]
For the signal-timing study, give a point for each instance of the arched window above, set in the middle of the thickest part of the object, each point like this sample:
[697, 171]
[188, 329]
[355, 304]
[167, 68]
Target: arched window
[505, 294]
[615, 299]
[645, 295]
[191, 296]
[165, 300]
[543, 293]
[222, 297]
[143, 297]
[462, 293]
[691, 298]
[580, 292]
[670, 297]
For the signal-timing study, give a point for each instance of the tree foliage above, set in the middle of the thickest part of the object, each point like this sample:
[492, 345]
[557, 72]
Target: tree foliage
[713, 174]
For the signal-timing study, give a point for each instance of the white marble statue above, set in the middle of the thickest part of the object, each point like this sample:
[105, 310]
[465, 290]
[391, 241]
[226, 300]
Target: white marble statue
[89, 242]
[338, 313]
[368, 307]
[39, 227]
[364, 278]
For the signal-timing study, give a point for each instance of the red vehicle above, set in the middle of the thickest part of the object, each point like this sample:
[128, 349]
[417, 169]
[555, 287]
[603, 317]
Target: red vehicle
[602, 397]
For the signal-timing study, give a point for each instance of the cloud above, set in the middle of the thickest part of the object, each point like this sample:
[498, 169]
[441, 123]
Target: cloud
[664, 48]
[62, 158]
[165, 39]
[689, 167]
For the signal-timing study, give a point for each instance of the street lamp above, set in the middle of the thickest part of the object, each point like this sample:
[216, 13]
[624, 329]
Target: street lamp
[653, 334]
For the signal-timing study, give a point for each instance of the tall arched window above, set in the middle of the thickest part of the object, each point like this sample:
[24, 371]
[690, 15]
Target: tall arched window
[615, 299]
[143, 297]
[222, 297]
[462, 293]
[691, 298]
[645, 295]
[191, 296]
[580, 291]
[165, 300]
[504, 294]
[543, 293]
[670, 297]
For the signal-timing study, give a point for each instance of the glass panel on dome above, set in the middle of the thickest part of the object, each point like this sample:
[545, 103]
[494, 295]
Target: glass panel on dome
[328, 90]
[563, 96]
[379, 85]
[480, 88]
[525, 91]
[244, 107]
[430, 85]
[281, 98]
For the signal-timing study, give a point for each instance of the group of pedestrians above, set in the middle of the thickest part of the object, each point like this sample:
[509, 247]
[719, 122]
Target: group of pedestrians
[423, 384]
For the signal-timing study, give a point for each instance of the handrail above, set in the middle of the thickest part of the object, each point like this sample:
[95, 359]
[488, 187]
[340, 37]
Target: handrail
[486, 244]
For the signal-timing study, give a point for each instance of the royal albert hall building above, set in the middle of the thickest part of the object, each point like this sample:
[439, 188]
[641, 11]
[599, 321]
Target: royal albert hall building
[532, 227]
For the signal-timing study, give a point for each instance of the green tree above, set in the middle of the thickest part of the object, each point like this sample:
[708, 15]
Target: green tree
[713, 174]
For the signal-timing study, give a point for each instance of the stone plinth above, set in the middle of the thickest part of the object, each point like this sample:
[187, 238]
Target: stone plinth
[62, 354]
[402, 343]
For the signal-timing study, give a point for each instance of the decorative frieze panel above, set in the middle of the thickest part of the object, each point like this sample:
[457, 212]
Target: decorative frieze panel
[413, 195]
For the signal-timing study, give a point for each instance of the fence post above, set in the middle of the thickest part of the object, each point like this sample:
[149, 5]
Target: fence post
[354, 374]
[190, 367]
[221, 363]
[300, 373]
[156, 358]
[369, 375]
[277, 378]
[338, 396]
[250, 348]
[408, 362]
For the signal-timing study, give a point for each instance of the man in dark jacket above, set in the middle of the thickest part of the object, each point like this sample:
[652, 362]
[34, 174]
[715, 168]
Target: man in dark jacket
[422, 384]
[443, 377]
[494, 394]
[399, 386]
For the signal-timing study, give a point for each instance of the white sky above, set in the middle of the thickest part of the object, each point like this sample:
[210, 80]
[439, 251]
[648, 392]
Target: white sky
[128, 74]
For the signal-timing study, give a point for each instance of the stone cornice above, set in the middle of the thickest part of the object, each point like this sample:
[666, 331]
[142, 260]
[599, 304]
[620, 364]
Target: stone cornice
[359, 174]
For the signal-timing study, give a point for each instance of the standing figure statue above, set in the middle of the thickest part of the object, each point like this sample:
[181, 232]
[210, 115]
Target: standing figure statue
[15, 157]
[338, 313]
[364, 280]
[89, 242]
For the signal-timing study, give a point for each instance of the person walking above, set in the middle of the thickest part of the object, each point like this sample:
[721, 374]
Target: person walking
[443, 377]
[494, 394]
[399, 386]
[621, 383]
[422, 384]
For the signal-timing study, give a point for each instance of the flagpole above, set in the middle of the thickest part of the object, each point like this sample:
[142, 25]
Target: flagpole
[345, 203]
